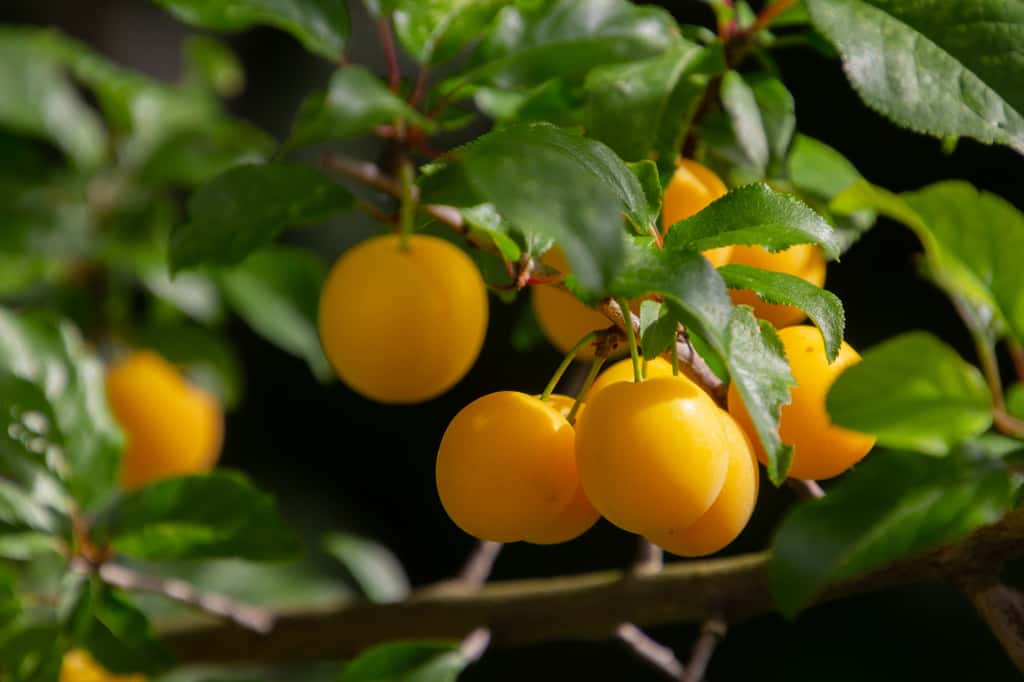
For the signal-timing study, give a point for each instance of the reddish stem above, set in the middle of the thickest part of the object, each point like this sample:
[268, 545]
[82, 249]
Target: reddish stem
[387, 41]
[420, 89]
[769, 14]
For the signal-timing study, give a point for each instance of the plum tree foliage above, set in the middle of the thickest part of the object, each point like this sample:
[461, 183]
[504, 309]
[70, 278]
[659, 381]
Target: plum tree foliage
[643, 182]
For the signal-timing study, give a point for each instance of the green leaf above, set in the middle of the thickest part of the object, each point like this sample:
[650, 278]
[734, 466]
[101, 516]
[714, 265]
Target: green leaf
[411, 661]
[972, 240]
[819, 173]
[757, 366]
[10, 606]
[192, 157]
[322, 26]
[644, 106]
[356, 101]
[892, 506]
[244, 208]
[36, 98]
[744, 114]
[754, 214]
[212, 64]
[120, 637]
[522, 170]
[485, 220]
[196, 517]
[945, 69]
[53, 356]
[433, 31]
[696, 296]
[914, 392]
[373, 567]
[528, 44]
[32, 653]
[657, 329]
[1015, 400]
[823, 307]
[778, 116]
[276, 291]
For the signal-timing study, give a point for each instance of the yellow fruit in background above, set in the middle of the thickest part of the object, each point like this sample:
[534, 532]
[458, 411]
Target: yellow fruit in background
[803, 260]
[623, 371]
[578, 515]
[651, 455]
[692, 187]
[728, 516]
[563, 319]
[79, 666]
[506, 467]
[403, 325]
[171, 427]
[820, 449]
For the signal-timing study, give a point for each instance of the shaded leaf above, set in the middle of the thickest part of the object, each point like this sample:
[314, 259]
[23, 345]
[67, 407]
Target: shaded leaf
[322, 26]
[120, 637]
[411, 661]
[892, 506]
[244, 208]
[745, 115]
[196, 517]
[434, 31]
[376, 571]
[276, 291]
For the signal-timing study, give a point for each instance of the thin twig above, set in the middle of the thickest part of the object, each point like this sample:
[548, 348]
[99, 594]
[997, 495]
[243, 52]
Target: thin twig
[803, 488]
[711, 633]
[1007, 424]
[475, 644]
[769, 14]
[387, 41]
[253, 618]
[477, 568]
[657, 655]
[420, 89]
[1002, 608]
[364, 172]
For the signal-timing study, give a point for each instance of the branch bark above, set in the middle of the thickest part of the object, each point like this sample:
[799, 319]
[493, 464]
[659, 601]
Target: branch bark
[584, 606]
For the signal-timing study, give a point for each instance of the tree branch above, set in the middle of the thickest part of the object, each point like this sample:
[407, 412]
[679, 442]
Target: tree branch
[803, 488]
[690, 361]
[584, 606]
[1003, 609]
[478, 566]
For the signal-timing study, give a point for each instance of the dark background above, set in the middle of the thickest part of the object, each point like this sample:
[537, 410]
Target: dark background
[338, 461]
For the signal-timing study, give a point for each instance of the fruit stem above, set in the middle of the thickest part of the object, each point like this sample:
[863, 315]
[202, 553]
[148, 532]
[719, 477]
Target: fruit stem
[566, 361]
[675, 357]
[407, 210]
[591, 375]
[631, 335]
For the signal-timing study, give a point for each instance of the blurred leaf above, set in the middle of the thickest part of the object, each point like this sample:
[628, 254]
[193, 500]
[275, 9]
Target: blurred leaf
[196, 517]
[647, 175]
[322, 26]
[754, 214]
[914, 392]
[892, 506]
[29, 547]
[192, 157]
[207, 356]
[53, 357]
[522, 169]
[644, 106]
[485, 220]
[376, 571]
[277, 291]
[972, 241]
[193, 293]
[434, 31]
[213, 65]
[410, 661]
[10, 606]
[696, 296]
[778, 116]
[31, 654]
[819, 173]
[36, 98]
[823, 307]
[744, 114]
[244, 208]
[657, 329]
[120, 638]
[553, 101]
[526, 332]
[1015, 400]
[916, 64]
[355, 103]
[528, 44]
